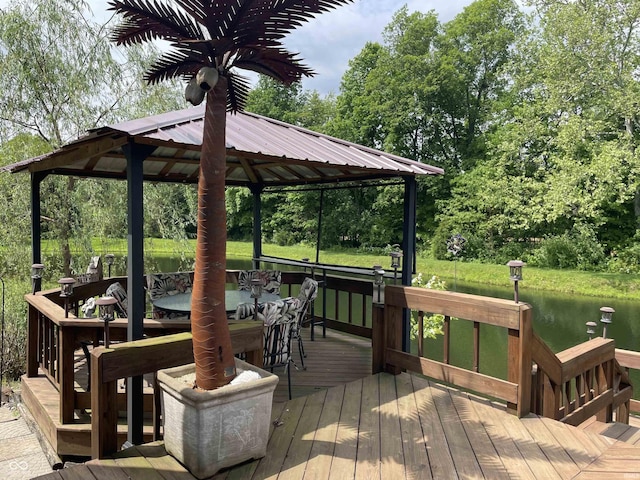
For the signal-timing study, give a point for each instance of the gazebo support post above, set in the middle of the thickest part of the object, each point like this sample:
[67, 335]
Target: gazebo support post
[135, 155]
[36, 210]
[256, 190]
[409, 250]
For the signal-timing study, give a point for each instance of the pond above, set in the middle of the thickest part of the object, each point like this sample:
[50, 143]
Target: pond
[558, 318]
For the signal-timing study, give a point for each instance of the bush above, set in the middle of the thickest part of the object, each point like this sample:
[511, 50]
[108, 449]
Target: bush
[626, 260]
[432, 324]
[578, 249]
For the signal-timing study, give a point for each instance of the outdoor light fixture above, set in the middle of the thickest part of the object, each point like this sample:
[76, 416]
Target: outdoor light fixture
[206, 78]
[109, 258]
[515, 273]
[396, 255]
[256, 292]
[66, 290]
[36, 277]
[106, 308]
[378, 280]
[607, 313]
[591, 329]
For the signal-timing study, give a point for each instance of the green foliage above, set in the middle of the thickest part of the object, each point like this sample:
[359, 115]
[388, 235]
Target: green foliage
[578, 249]
[432, 324]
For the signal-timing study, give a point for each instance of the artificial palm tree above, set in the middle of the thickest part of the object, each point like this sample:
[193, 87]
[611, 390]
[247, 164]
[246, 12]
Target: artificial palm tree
[209, 40]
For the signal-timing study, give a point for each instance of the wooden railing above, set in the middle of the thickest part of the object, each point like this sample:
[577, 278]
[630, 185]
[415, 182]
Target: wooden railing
[586, 380]
[53, 339]
[515, 318]
[580, 382]
[130, 359]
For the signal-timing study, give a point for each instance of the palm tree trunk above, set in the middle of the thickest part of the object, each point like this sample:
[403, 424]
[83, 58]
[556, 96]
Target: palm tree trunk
[215, 365]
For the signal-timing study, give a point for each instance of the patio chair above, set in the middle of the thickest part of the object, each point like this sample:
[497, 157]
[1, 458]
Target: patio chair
[306, 296]
[272, 279]
[164, 284]
[118, 292]
[279, 318]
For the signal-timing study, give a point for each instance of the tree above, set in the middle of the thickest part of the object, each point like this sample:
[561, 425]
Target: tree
[209, 40]
[58, 79]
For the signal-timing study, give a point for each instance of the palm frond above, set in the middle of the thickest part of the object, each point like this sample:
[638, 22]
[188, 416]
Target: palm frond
[175, 63]
[237, 92]
[269, 19]
[277, 63]
[144, 21]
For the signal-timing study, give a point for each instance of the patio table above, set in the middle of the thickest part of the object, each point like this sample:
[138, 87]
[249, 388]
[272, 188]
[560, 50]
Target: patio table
[181, 302]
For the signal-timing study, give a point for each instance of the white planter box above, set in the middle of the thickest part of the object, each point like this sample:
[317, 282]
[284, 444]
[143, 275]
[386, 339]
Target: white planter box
[210, 430]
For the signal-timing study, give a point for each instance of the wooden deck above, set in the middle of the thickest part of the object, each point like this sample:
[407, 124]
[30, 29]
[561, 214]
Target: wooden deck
[338, 358]
[403, 426]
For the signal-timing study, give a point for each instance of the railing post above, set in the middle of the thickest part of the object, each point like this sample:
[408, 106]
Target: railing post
[104, 410]
[520, 354]
[66, 371]
[33, 328]
[605, 374]
[393, 335]
[377, 338]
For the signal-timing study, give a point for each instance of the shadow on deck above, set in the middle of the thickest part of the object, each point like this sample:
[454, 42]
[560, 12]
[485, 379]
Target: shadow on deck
[337, 359]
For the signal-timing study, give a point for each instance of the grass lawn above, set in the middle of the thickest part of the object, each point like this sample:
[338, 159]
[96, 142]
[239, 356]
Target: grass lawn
[566, 281]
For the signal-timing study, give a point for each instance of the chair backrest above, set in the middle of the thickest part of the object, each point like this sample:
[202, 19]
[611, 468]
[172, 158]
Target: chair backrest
[271, 279]
[118, 292]
[278, 318]
[308, 293]
[163, 284]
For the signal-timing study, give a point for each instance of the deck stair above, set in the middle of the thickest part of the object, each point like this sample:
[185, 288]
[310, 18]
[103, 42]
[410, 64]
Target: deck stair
[618, 431]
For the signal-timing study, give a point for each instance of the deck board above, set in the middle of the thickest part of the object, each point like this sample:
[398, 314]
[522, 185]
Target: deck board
[375, 428]
[386, 426]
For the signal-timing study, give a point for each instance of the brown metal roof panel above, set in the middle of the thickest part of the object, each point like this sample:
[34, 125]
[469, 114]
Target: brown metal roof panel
[158, 122]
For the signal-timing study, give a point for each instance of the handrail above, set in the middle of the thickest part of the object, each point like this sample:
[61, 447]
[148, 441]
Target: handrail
[582, 381]
[515, 317]
[130, 359]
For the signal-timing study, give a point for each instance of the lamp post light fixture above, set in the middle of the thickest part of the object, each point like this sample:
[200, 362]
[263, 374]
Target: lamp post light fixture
[378, 280]
[36, 277]
[109, 258]
[591, 329]
[106, 308]
[607, 313]
[515, 274]
[66, 290]
[396, 255]
[257, 284]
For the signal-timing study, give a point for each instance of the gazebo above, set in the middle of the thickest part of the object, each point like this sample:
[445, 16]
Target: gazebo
[262, 154]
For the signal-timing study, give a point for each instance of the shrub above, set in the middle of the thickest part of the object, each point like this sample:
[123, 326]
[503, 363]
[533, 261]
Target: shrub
[432, 325]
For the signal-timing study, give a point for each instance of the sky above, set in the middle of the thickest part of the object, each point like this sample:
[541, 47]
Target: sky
[327, 42]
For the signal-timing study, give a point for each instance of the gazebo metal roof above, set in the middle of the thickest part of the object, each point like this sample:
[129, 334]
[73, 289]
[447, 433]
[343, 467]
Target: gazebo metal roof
[260, 151]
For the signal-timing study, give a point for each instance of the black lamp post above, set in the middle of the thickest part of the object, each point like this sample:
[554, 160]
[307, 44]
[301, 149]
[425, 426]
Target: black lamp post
[106, 308]
[396, 255]
[66, 290]
[378, 281]
[515, 274]
[109, 258]
[36, 277]
[605, 319]
[256, 292]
